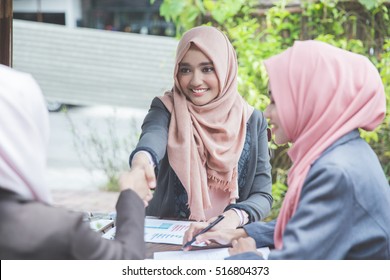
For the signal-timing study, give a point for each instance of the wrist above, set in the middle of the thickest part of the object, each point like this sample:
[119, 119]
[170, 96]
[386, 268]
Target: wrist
[238, 233]
[242, 215]
[125, 187]
[126, 182]
[142, 158]
[233, 217]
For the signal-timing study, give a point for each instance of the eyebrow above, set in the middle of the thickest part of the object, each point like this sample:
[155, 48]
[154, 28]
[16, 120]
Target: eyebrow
[200, 64]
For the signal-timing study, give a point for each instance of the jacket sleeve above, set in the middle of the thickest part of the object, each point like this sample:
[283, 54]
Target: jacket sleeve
[262, 233]
[320, 224]
[256, 196]
[129, 239]
[154, 135]
[320, 227]
[245, 256]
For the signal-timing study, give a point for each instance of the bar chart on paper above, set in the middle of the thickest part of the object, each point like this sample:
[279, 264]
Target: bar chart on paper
[165, 231]
[161, 231]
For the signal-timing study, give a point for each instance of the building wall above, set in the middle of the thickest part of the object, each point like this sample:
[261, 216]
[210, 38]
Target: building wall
[84, 66]
[136, 16]
[70, 8]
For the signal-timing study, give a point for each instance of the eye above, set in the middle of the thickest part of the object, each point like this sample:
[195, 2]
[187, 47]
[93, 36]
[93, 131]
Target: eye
[208, 69]
[184, 70]
[271, 99]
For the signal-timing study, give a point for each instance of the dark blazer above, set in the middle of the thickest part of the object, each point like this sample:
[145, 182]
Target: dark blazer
[343, 211]
[33, 230]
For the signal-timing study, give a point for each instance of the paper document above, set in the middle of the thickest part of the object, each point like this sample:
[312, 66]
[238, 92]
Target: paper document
[206, 254]
[165, 231]
[110, 234]
[101, 224]
[161, 231]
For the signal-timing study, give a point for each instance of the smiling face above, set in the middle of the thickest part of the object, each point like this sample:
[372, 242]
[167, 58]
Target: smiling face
[271, 113]
[197, 77]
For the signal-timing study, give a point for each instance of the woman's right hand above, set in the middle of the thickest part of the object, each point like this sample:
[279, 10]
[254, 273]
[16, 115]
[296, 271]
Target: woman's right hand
[141, 160]
[135, 180]
[220, 236]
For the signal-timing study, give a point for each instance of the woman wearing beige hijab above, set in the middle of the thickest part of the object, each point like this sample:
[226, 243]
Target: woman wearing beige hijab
[206, 145]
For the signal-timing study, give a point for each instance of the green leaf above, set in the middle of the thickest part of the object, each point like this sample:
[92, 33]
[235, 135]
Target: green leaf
[369, 4]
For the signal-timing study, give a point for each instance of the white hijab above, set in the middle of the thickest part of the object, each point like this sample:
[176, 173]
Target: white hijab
[24, 135]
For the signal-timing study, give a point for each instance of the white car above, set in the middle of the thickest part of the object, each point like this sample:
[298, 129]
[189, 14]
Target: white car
[54, 106]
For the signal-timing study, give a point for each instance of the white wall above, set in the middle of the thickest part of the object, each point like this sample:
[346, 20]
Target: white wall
[71, 8]
[85, 66]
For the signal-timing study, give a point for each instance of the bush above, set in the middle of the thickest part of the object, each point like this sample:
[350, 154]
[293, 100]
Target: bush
[102, 148]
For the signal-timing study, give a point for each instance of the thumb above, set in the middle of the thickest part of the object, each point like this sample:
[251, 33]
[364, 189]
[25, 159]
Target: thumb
[150, 176]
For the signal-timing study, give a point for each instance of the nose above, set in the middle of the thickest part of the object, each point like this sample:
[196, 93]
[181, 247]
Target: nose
[196, 79]
[267, 114]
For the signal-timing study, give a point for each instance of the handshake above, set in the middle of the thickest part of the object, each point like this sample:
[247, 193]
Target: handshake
[139, 179]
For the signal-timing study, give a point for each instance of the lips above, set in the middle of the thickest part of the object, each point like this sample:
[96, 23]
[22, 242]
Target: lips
[273, 127]
[199, 91]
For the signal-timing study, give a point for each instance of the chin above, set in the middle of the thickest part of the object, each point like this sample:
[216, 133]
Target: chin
[199, 102]
[196, 102]
[280, 142]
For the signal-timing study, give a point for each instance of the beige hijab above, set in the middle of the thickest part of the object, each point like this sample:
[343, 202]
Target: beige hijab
[205, 142]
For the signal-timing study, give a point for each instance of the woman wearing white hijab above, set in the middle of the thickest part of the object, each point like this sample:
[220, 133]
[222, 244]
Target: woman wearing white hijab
[30, 228]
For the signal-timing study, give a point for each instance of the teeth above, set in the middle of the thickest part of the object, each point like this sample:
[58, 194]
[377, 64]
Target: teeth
[199, 90]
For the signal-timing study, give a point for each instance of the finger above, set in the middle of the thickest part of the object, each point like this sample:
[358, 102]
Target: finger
[186, 237]
[210, 235]
[149, 196]
[150, 176]
[188, 248]
[211, 220]
[189, 233]
[194, 228]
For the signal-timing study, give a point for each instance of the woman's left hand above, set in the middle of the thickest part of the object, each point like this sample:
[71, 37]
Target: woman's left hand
[242, 245]
[223, 232]
[231, 221]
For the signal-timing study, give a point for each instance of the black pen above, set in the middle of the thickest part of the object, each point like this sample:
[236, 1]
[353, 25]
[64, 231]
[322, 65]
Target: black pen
[211, 225]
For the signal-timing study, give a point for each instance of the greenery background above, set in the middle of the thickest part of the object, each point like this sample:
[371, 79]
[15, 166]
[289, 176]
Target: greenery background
[259, 31]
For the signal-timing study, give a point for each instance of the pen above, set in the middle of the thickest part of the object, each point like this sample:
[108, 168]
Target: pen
[211, 225]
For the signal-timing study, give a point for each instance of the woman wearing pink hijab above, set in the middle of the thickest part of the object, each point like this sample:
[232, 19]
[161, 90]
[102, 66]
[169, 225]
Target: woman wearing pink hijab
[209, 147]
[338, 199]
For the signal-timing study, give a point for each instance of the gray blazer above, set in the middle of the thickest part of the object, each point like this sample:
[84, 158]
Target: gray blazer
[255, 196]
[33, 230]
[343, 211]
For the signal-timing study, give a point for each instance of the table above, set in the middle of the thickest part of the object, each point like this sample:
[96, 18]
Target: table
[151, 248]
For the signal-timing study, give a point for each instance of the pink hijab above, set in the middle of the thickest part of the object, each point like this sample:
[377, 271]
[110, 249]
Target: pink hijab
[322, 93]
[24, 135]
[205, 142]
